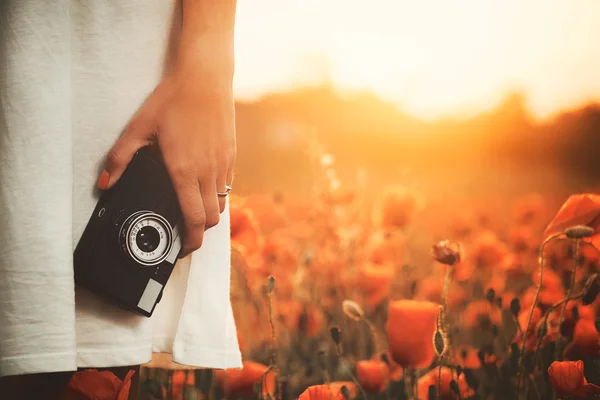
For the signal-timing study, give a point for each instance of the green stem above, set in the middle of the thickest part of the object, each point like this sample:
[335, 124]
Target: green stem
[439, 393]
[535, 300]
[547, 315]
[557, 352]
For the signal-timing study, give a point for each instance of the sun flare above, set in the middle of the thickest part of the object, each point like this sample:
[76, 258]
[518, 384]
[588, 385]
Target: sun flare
[432, 58]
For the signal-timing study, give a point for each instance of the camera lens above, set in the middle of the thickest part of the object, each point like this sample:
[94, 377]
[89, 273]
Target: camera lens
[147, 239]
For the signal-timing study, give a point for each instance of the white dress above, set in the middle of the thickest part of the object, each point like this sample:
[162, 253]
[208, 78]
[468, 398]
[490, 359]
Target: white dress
[72, 73]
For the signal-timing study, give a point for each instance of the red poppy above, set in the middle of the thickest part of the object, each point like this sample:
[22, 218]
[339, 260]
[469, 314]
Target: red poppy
[374, 282]
[92, 384]
[240, 382]
[489, 251]
[322, 392]
[395, 208]
[579, 209]
[568, 380]
[586, 337]
[410, 327]
[373, 375]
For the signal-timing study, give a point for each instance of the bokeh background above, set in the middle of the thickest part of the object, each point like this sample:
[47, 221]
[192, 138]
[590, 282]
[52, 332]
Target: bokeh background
[367, 132]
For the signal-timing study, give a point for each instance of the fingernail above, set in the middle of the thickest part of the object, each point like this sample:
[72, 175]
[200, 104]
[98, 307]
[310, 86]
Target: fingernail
[103, 181]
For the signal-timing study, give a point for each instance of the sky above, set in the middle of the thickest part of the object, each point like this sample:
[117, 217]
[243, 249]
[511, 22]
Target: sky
[433, 58]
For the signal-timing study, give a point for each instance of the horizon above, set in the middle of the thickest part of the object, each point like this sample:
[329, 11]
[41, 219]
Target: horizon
[459, 61]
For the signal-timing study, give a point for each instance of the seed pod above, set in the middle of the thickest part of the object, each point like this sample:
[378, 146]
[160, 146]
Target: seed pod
[591, 290]
[271, 284]
[579, 232]
[352, 310]
[447, 252]
[439, 343]
[336, 334]
[515, 306]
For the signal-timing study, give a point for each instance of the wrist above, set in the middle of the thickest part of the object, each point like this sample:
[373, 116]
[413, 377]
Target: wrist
[206, 60]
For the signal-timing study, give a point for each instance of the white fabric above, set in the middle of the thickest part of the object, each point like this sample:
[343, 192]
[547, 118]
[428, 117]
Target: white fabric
[72, 73]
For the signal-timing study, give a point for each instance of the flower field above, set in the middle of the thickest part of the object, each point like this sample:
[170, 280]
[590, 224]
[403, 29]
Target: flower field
[341, 296]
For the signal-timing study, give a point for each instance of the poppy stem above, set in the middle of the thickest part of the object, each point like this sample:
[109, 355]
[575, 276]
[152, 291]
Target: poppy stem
[407, 392]
[533, 305]
[439, 393]
[338, 348]
[547, 315]
[558, 343]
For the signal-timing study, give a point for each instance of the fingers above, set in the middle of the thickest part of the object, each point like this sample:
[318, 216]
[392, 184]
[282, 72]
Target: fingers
[208, 187]
[225, 179]
[192, 210]
[136, 135]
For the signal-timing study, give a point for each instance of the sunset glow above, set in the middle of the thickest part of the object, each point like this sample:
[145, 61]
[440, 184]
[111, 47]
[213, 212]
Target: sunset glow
[433, 58]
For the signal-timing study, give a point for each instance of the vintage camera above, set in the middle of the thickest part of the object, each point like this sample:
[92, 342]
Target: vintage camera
[132, 242]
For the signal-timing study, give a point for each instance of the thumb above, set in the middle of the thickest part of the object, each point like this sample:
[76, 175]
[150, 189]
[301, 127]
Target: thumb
[136, 135]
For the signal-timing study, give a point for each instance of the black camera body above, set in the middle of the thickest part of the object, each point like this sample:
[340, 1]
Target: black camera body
[132, 242]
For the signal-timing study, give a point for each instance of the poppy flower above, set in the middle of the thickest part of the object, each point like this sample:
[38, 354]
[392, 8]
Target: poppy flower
[445, 391]
[373, 375]
[586, 337]
[579, 209]
[244, 229]
[410, 326]
[323, 392]
[529, 209]
[489, 251]
[567, 379]
[91, 384]
[395, 207]
[240, 382]
[374, 282]
[447, 252]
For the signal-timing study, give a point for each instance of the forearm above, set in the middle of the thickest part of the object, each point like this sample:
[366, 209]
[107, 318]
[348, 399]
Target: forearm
[206, 43]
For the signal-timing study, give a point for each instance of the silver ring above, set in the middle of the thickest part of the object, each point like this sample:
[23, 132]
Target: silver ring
[227, 190]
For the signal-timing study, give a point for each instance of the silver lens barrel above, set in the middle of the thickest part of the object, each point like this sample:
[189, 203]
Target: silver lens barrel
[146, 237]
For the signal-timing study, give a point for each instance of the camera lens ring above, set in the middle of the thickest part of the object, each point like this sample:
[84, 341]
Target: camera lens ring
[129, 237]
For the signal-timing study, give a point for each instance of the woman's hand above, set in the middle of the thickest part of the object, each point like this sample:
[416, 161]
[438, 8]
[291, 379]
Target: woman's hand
[191, 117]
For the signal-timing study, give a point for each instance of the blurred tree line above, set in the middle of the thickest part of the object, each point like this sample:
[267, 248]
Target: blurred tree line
[364, 131]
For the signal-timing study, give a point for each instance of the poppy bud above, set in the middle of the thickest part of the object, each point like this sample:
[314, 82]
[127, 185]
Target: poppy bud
[271, 284]
[352, 310]
[447, 252]
[515, 306]
[472, 381]
[384, 357]
[454, 387]
[432, 392]
[591, 290]
[345, 392]
[336, 334]
[575, 312]
[490, 295]
[579, 232]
